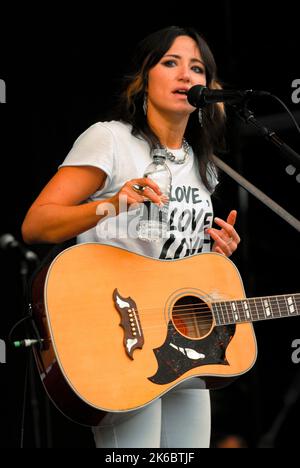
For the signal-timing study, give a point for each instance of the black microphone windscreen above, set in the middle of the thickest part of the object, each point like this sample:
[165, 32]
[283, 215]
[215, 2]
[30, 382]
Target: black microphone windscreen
[195, 95]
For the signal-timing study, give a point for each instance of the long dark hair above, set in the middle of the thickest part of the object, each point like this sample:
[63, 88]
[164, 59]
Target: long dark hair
[129, 108]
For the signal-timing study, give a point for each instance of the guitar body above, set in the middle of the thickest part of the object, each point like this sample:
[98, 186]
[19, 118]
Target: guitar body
[121, 329]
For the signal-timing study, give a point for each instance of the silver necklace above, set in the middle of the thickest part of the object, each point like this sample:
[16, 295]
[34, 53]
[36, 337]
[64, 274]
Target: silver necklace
[172, 157]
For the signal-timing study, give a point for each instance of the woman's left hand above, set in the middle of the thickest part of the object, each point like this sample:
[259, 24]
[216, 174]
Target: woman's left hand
[226, 239]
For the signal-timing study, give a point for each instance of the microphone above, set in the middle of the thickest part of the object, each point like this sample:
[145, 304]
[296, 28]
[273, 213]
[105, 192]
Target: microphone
[8, 242]
[201, 96]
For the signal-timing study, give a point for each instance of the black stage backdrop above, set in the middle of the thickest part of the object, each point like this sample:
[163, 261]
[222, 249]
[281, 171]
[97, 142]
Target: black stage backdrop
[61, 75]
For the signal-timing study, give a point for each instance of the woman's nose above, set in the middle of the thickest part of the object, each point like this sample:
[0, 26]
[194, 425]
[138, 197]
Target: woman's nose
[185, 73]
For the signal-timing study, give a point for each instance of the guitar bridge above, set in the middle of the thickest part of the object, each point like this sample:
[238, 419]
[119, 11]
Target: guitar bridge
[130, 321]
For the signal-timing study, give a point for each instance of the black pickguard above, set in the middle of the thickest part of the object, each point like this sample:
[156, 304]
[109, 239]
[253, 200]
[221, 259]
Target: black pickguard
[172, 363]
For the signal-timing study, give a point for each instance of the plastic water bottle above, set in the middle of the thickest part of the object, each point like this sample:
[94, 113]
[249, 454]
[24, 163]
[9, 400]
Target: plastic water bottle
[153, 224]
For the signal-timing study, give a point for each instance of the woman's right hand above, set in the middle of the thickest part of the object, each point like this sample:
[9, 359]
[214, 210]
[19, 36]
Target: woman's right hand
[130, 193]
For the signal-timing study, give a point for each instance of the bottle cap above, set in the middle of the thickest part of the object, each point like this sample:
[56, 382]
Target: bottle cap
[159, 153]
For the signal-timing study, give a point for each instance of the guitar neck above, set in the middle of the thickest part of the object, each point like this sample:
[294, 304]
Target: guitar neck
[256, 309]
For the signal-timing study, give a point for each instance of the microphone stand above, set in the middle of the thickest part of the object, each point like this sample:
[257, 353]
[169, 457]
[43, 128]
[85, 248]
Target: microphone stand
[26, 265]
[247, 116]
[25, 271]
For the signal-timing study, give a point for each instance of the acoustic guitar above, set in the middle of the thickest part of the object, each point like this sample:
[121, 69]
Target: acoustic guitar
[120, 330]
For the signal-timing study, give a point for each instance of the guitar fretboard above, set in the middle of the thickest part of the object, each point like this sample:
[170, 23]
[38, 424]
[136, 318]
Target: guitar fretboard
[256, 309]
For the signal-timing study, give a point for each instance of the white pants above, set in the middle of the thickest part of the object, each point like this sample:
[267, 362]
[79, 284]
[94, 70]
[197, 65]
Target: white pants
[179, 419]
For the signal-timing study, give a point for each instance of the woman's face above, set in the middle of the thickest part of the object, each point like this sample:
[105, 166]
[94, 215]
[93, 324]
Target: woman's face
[181, 68]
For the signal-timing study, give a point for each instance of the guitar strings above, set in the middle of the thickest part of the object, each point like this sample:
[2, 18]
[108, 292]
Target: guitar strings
[223, 307]
[247, 300]
[205, 320]
[194, 318]
[222, 304]
[209, 324]
[237, 301]
[259, 315]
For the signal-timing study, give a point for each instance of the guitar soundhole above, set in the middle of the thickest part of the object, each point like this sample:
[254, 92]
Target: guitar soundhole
[192, 317]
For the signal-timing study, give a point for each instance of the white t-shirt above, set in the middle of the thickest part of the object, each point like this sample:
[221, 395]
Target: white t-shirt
[111, 147]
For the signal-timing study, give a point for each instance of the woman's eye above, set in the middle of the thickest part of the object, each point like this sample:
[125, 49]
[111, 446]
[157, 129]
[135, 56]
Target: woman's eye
[169, 63]
[173, 63]
[199, 70]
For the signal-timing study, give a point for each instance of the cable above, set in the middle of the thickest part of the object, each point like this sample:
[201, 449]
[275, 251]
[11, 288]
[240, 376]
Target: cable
[288, 111]
[27, 317]
[291, 169]
[24, 403]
